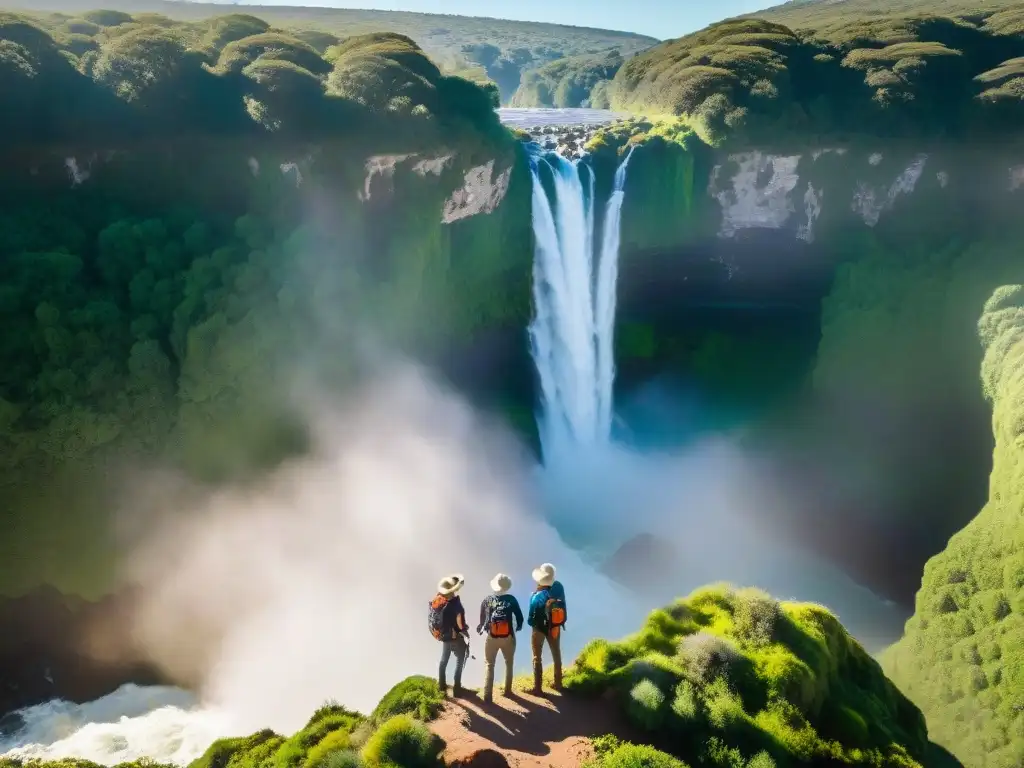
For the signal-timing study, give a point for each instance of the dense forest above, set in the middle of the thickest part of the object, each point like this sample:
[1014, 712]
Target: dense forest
[818, 69]
[147, 311]
[577, 81]
[483, 49]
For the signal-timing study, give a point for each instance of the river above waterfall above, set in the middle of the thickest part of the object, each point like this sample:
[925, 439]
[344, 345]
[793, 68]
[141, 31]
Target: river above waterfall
[531, 117]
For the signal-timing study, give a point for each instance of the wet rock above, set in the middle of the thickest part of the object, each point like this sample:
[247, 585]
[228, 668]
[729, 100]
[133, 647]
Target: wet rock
[53, 646]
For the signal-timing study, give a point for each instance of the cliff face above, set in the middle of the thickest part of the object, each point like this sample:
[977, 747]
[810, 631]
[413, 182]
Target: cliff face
[158, 299]
[841, 286]
[962, 655]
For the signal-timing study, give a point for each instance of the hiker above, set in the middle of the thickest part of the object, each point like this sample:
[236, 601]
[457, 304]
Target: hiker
[547, 617]
[496, 614]
[447, 622]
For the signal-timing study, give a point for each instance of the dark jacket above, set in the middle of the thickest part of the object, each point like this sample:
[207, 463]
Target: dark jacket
[538, 600]
[453, 619]
[511, 609]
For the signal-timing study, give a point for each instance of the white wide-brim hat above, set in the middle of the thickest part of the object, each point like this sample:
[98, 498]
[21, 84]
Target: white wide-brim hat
[501, 584]
[450, 584]
[544, 575]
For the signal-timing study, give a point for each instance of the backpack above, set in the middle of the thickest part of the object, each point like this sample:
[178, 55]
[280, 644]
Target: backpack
[500, 624]
[435, 618]
[554, 612]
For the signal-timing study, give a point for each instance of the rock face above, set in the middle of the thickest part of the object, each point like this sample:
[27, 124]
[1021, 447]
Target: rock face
[53, 646]
[482, 191]
[759, 190]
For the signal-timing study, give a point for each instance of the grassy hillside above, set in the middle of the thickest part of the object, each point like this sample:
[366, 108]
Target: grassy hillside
[502, 49]
[836, 71]
[821, 15]
[735, 679]
[962, 658]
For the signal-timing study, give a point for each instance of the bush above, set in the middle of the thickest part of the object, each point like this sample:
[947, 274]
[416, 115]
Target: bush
[645, 705]
[402, 742]
[347, 758]
[418, 696]
[333, 743]
[640, 756]
[755, 615]
[706, 657]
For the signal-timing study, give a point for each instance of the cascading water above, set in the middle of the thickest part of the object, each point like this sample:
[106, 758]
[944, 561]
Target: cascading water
[572, 332]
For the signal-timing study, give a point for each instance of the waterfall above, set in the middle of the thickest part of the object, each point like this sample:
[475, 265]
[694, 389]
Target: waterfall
[573, 327]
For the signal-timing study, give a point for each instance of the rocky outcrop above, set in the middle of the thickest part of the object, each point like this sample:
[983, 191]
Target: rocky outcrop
[567, 140]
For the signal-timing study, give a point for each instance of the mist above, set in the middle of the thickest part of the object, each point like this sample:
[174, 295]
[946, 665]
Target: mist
[314, 584]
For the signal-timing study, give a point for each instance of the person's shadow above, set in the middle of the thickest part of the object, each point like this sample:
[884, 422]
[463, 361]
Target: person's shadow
[530, 724]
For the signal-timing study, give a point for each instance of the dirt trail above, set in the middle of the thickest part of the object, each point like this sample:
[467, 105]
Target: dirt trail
[522, 731]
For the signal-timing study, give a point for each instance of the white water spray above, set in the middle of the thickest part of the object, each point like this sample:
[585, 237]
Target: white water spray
[572, 332]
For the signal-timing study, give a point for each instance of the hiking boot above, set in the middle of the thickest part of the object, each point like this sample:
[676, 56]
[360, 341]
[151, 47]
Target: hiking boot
[458, 692]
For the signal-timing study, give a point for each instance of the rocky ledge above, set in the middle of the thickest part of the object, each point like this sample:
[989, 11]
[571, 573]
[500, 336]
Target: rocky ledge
[567, 140]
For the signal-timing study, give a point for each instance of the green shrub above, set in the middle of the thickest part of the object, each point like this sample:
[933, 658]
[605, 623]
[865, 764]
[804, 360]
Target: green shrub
[402, 742]
[346, 758]
[761, 760]
[418, 696]
[756, 614]
[645, 705]
[706, 657]
[685, 705]
[333, 743]
[640, 756]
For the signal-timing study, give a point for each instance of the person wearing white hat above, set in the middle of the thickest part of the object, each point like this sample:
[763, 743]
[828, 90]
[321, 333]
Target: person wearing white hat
[447, 623]
[497, 612]
[547, 616]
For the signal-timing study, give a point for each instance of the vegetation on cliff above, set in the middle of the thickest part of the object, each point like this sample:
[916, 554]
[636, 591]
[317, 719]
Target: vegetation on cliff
[189, 217]
[846, 74]
[962, 657]
[734, 678]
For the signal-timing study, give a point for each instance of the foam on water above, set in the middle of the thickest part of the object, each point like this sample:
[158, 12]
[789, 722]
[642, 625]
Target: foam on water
[161, 723]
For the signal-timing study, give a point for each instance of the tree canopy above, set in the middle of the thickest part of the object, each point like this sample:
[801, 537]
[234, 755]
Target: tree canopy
[837, 69]
[505, 50]
[128, 77]
[578, 81]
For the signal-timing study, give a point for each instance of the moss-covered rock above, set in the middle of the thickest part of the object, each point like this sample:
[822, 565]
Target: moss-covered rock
[962, 656]
[731, 675]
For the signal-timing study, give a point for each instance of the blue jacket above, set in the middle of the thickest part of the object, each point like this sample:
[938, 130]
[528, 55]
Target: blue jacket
[539, 599]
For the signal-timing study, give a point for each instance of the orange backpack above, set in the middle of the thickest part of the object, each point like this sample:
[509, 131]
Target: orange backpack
[435, 619]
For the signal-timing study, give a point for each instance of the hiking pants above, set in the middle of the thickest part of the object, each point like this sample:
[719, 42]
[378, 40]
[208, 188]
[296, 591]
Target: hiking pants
[554, 641]
[460, 649]
[507, 646]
